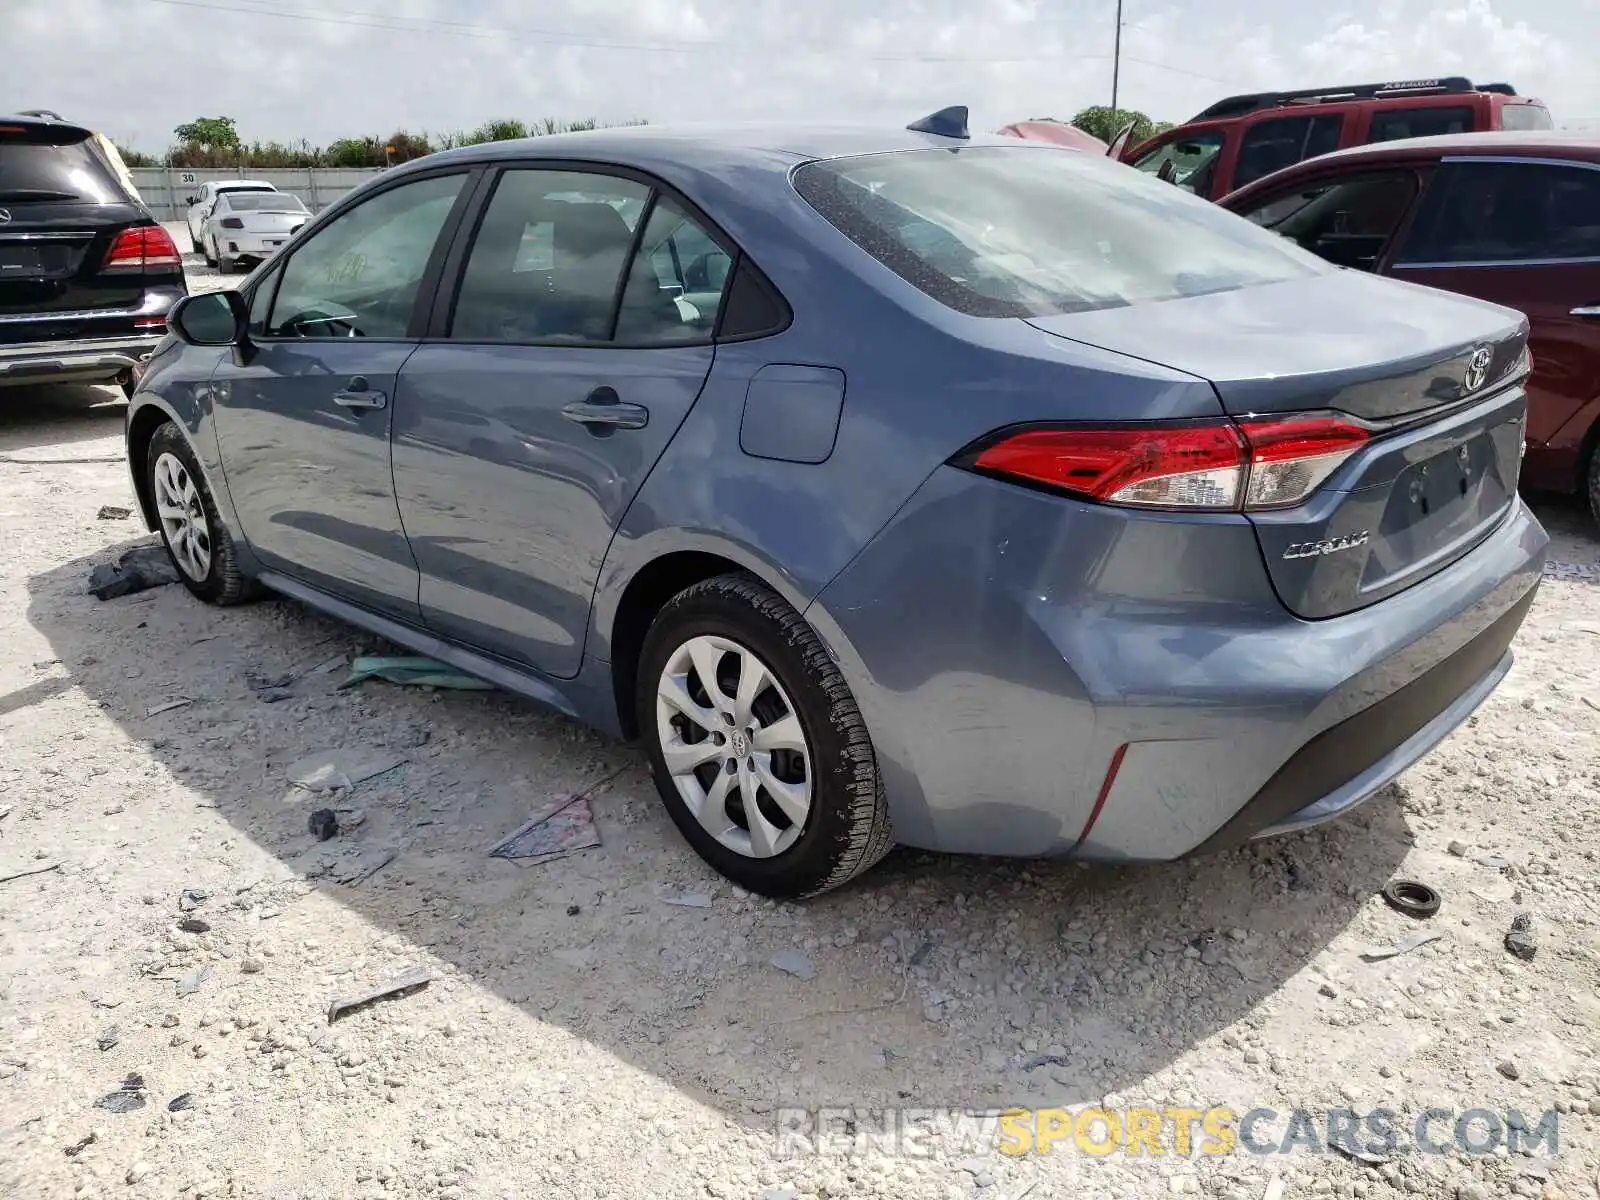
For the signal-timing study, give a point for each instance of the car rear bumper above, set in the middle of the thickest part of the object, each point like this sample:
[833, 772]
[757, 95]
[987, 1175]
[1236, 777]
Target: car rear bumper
[250, 245]
[75, 360]
[1046, 677]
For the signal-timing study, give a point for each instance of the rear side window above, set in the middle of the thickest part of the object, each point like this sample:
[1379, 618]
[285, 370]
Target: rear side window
[1418, 122]
[1269, 146]
[41, 163]
[1032, 231]
[1348, 222]
[1525, 116]
[1507, 212]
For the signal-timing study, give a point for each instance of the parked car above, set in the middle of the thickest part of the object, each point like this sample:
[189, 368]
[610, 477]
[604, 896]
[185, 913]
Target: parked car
[87, 275]
[933, 517]
[1509, 217]
[246, 227]
[202, 202]
[1059, 133]
[1243, 138]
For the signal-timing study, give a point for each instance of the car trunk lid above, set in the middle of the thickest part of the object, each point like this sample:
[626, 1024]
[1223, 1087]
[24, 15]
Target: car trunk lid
[1433, 377]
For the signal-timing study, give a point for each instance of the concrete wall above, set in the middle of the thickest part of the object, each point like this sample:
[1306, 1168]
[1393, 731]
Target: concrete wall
[164, 189]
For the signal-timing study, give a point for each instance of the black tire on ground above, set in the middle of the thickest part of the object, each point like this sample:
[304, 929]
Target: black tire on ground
[206, 250]
[847, 830]
[225, 266]
[1594, 480]
[224, 583]
[194, 244]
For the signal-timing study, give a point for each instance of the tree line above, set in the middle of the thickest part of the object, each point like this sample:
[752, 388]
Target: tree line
[215, 141]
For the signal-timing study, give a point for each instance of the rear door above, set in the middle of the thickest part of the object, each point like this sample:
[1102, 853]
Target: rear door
[1523, 233]
[1349, 217]
[61, 208]
[526, 427]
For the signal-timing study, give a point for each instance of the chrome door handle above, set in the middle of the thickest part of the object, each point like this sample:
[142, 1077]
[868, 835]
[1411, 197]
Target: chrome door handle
[1586, 310]
[356, 394]
[602, 412]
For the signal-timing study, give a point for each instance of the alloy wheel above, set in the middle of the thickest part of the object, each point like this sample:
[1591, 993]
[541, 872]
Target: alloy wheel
[183, 517]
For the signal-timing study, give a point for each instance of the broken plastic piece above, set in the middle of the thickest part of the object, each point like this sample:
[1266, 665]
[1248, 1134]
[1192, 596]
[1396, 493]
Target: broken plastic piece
[323, 824]
[405, 982]
[415, 672]
[559, 830]
[1403, 946]
[342, 768]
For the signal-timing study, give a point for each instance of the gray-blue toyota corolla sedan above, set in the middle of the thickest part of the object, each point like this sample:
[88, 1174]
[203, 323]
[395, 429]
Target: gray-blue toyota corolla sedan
[899, 486]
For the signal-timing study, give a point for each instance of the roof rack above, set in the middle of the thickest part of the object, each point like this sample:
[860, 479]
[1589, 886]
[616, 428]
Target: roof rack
[1235, 106]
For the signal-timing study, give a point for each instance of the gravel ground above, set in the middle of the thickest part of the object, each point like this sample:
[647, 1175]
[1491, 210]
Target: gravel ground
[583, 1037]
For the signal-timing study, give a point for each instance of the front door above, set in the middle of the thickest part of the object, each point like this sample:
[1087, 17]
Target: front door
[304, 411]
[521, 437]
[1524, 234]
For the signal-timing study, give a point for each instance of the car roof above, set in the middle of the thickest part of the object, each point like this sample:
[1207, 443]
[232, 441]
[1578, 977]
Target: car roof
[710, 145]
[1523, 143]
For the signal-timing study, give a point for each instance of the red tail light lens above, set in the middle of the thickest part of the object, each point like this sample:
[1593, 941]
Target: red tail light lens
[231, 223]
[141, 248]
[1216, 467]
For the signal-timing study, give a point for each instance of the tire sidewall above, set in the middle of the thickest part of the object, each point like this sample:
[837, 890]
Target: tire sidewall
[807, 865]
[170, 440]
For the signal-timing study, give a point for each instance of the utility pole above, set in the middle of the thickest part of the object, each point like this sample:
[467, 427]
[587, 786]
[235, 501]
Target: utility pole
[1116, 57]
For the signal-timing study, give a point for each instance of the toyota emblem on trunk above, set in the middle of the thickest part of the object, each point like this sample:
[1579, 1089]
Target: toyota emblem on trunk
[1477, 369]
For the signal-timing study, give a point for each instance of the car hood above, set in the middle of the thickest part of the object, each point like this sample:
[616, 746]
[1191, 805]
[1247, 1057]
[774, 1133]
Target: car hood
[1374, 347]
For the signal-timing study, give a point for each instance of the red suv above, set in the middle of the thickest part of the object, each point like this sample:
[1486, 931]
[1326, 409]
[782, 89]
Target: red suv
[1243, 138]
[1508, 217]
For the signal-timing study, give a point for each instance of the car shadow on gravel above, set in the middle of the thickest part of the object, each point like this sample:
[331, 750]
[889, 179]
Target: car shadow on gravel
[938, 980]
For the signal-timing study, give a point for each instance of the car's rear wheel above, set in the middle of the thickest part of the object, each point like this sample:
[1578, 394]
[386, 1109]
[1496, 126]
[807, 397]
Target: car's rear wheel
[205, 248]
[1594, 480]
[194, 243]
[196, 539]
[759, 750]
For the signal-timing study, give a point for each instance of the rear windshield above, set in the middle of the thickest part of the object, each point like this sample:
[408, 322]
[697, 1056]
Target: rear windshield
[43, 164]
[262, 202]
[1032, 231]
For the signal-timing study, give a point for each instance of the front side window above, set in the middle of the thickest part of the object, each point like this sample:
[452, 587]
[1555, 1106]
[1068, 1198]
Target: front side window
[676, 282]
[1348, 222]
[1189, 161]
[1418, 122]
[1032, 231]
[1507, 212]
[548, 258]
[359, 275]
[1271, 145]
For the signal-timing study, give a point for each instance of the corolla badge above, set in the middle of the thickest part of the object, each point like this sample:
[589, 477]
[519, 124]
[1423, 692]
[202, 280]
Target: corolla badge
[1477, 369]
[1348, 541]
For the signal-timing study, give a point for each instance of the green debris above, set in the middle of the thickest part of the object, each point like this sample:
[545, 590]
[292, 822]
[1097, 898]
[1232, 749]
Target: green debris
[414, 672]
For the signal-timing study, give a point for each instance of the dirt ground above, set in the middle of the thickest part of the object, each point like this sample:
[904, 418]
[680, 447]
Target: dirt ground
[583, 1036]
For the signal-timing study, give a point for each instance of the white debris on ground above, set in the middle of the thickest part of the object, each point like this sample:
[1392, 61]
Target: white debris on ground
[619, 1022]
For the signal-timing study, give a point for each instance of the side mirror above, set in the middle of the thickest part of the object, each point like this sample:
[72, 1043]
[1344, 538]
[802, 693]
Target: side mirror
[191, 200]
[210, 319]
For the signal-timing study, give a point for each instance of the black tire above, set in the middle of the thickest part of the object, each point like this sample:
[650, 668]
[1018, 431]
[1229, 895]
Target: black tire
[224, 583]
[1594, 481]
[847, 829]
[194, 244]
[206, 250]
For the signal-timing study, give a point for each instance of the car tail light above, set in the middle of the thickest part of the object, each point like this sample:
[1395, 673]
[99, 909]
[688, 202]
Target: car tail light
[232, 223]
[142, 247]
[1216, 466]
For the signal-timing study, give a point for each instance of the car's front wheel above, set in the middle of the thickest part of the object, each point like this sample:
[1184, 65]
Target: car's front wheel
[1592, 478]
[196, 539]
[759, 750]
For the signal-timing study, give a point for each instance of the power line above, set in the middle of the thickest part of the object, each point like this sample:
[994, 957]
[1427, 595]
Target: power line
[445, 28]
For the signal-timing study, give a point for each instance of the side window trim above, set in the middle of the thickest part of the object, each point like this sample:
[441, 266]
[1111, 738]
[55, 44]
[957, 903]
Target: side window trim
[453, 275]
[1396, 257]
[621, 290]
[430, 273]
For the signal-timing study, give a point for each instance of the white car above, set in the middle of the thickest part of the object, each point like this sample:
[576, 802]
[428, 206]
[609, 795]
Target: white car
[246, 227]
[203, 201]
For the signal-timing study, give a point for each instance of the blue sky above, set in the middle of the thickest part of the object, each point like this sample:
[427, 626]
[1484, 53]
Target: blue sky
[322, 69]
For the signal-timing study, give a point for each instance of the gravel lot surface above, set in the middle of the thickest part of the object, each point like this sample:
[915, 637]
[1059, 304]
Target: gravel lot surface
[612, 1024]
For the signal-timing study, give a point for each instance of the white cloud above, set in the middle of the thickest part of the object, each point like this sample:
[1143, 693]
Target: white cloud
[136, 68]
